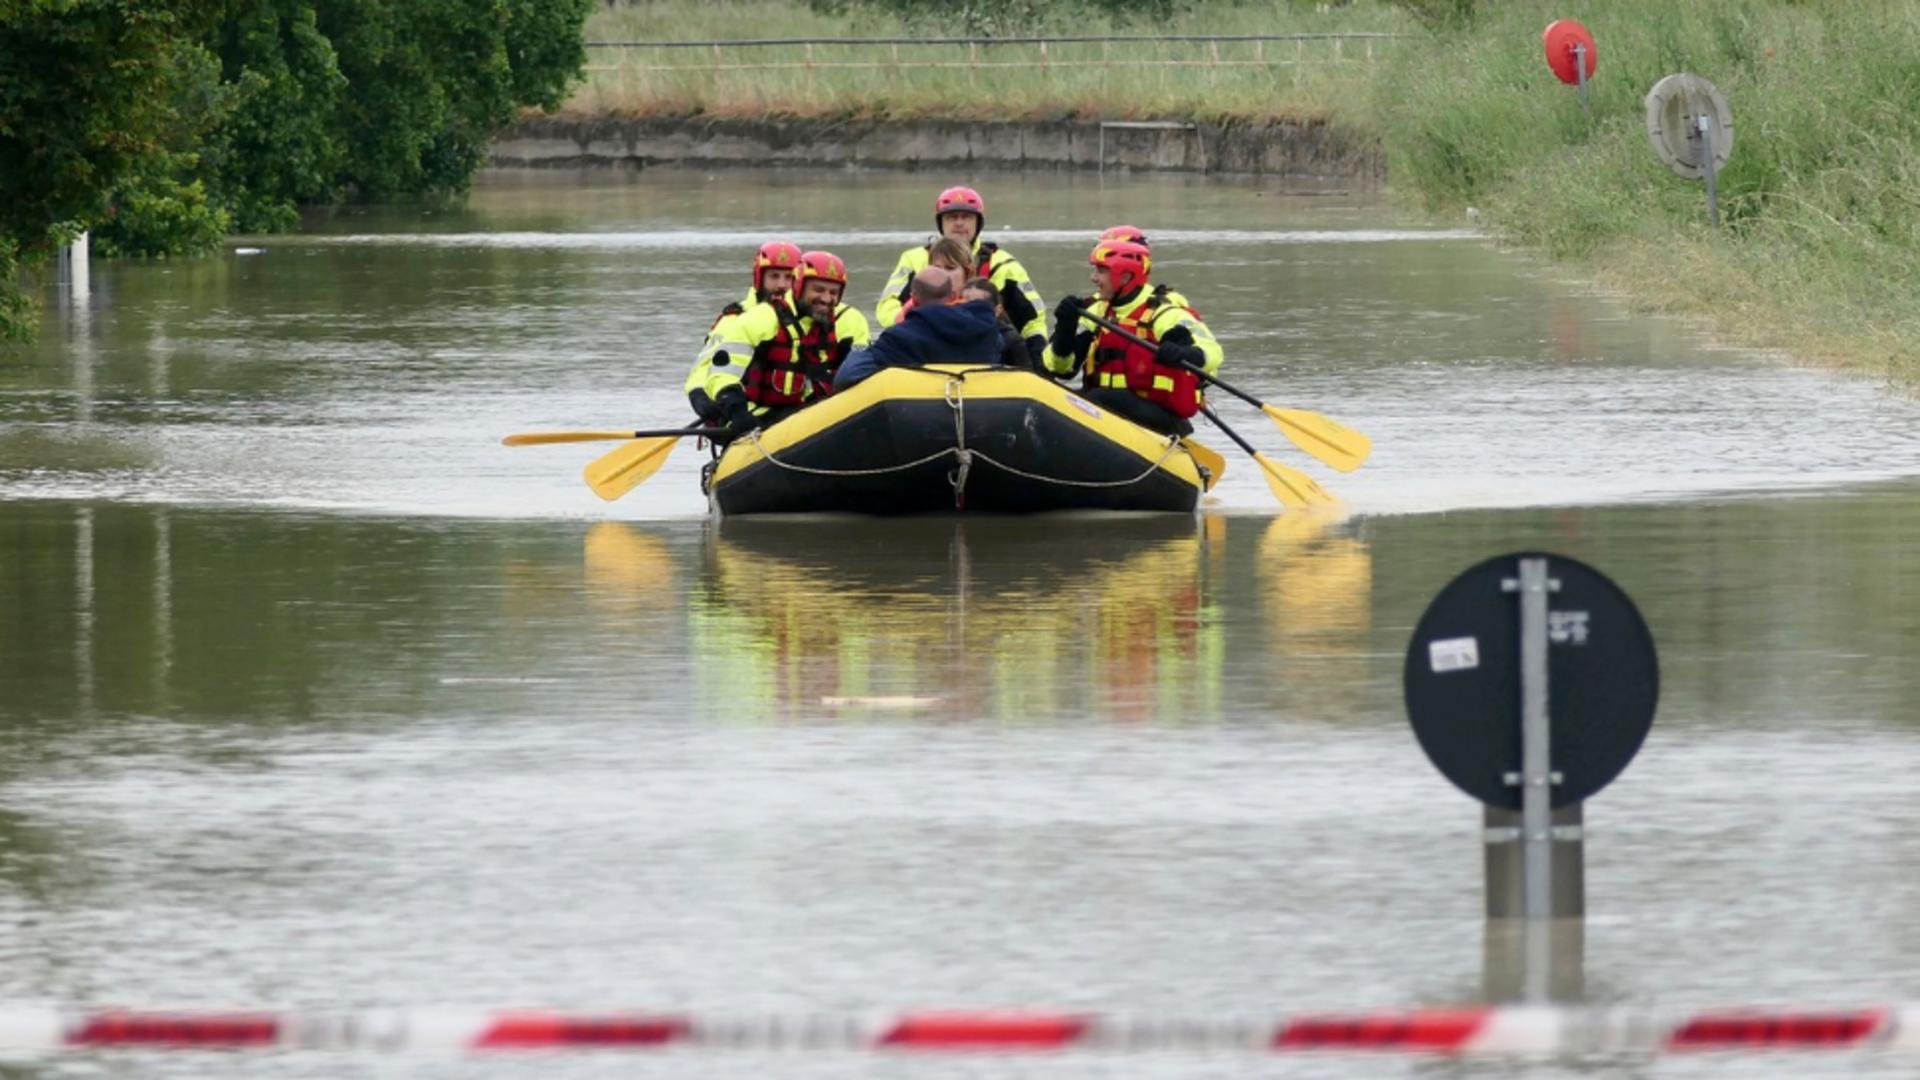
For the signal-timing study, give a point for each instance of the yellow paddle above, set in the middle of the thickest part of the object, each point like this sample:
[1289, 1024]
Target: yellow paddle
[1295, 489]
[1207, 458]
[614, 474]
[1329, 440]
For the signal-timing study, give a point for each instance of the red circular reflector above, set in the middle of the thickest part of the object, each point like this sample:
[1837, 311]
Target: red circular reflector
[1561, 36]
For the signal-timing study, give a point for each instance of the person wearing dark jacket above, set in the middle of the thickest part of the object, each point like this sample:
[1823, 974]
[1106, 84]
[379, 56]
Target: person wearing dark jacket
[934, 332]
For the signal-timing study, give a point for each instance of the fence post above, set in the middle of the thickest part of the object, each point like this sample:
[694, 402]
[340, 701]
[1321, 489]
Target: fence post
[973, 64]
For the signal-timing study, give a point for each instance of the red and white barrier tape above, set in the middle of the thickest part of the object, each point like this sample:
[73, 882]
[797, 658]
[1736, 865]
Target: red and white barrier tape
[1472, 1031]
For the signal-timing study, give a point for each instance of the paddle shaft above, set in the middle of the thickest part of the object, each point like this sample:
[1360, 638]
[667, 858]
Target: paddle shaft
[700, 429]
[547, 438]
[1197, 370]
[1207, 411]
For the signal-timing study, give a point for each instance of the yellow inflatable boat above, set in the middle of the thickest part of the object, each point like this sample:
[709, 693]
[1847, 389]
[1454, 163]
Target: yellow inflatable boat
[948, 437]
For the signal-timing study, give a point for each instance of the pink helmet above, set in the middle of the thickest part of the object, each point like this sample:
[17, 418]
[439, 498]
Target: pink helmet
[960, 198]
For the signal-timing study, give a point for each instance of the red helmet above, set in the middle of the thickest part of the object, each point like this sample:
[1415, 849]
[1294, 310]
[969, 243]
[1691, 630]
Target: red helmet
[774, 255]
[1128, 262]
[820, 265]
[1128, 233]
[960, 198]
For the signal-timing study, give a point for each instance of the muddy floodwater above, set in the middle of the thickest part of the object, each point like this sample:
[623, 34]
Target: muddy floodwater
[312, 694]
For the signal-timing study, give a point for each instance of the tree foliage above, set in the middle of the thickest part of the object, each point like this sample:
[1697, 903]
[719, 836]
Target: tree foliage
[162, 124]
[85, 106]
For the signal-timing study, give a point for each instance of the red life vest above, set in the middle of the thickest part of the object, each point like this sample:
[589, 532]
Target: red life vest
[790, 362]
[1118, 362]
[820, 354]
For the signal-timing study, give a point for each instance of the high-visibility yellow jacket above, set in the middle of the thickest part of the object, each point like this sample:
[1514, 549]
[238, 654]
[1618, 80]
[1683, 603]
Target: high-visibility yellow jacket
[775, 356]
[1151, 313]
[1025, 309]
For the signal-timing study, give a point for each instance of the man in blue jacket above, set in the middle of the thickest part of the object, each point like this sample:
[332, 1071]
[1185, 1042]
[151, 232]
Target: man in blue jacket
[934, 332]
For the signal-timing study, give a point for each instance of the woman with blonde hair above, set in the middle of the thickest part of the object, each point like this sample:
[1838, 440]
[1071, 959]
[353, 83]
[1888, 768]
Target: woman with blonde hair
[952, 256]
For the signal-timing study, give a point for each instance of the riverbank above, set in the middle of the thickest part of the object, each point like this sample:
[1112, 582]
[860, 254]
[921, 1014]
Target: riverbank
[1819, 255]
[1292, 149]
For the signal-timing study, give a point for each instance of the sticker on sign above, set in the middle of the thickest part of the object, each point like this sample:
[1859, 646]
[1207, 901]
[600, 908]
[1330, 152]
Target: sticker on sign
[1453, 654]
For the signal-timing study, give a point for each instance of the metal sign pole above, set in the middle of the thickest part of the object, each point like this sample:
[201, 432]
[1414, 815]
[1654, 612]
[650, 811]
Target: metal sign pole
[1703, 127]
[1536, 812]
[1580, 72]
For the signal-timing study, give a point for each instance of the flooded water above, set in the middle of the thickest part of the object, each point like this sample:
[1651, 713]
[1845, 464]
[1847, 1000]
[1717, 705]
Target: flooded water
[315, 695]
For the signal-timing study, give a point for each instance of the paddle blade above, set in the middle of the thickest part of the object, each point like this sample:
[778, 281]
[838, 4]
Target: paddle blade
[613, 475]
[542, 438]
[1292, 487]
[1329, 440]
[1208, 459]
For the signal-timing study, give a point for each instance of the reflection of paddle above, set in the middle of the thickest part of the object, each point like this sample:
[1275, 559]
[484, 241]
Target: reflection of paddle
[614, 474]
[1291, 486]
[1207, 458]
[1329, 440]
[542, 438]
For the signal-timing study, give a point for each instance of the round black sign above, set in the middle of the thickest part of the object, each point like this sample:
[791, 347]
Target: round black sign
[1463, 680]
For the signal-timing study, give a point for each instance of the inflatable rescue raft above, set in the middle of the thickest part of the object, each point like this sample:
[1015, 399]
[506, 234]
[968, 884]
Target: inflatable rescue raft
[950, 437]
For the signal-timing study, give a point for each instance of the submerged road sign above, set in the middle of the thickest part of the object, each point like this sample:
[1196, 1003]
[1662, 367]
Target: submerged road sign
[1463, 680]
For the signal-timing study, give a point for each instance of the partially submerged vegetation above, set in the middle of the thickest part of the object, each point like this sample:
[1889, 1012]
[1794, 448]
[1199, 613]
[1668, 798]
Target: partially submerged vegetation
[1820, 251]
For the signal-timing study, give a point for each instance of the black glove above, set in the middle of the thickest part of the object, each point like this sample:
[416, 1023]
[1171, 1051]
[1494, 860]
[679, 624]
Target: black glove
[1066, 323]
[736, 414]
[1177, 354]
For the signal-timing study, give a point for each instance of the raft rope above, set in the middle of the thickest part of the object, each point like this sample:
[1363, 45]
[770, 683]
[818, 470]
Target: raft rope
[963, 454]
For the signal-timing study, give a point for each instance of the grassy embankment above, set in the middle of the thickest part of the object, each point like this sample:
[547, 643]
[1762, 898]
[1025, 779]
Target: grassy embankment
[1820, 251]
[1311, 80]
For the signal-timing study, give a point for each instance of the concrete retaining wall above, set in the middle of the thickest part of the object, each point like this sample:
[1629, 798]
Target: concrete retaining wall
[1280, 149]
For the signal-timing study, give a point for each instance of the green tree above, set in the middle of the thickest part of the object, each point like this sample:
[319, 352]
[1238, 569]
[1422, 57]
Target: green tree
[278, 148]
[85, 101]
[162, 124]
[434, 79]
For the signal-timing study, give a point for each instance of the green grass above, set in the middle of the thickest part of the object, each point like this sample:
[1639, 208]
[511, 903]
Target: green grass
[1820, 251]
[1121, 80]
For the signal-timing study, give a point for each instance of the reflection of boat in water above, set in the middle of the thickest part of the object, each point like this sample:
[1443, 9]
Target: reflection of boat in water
[1120, 617]
[1001, 617]
[919, 440]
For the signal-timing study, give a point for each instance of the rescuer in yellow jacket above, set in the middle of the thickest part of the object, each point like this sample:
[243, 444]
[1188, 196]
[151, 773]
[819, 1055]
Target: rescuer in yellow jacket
[960, 213]
[761, 364]
[1152, 386]
[773, 267]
